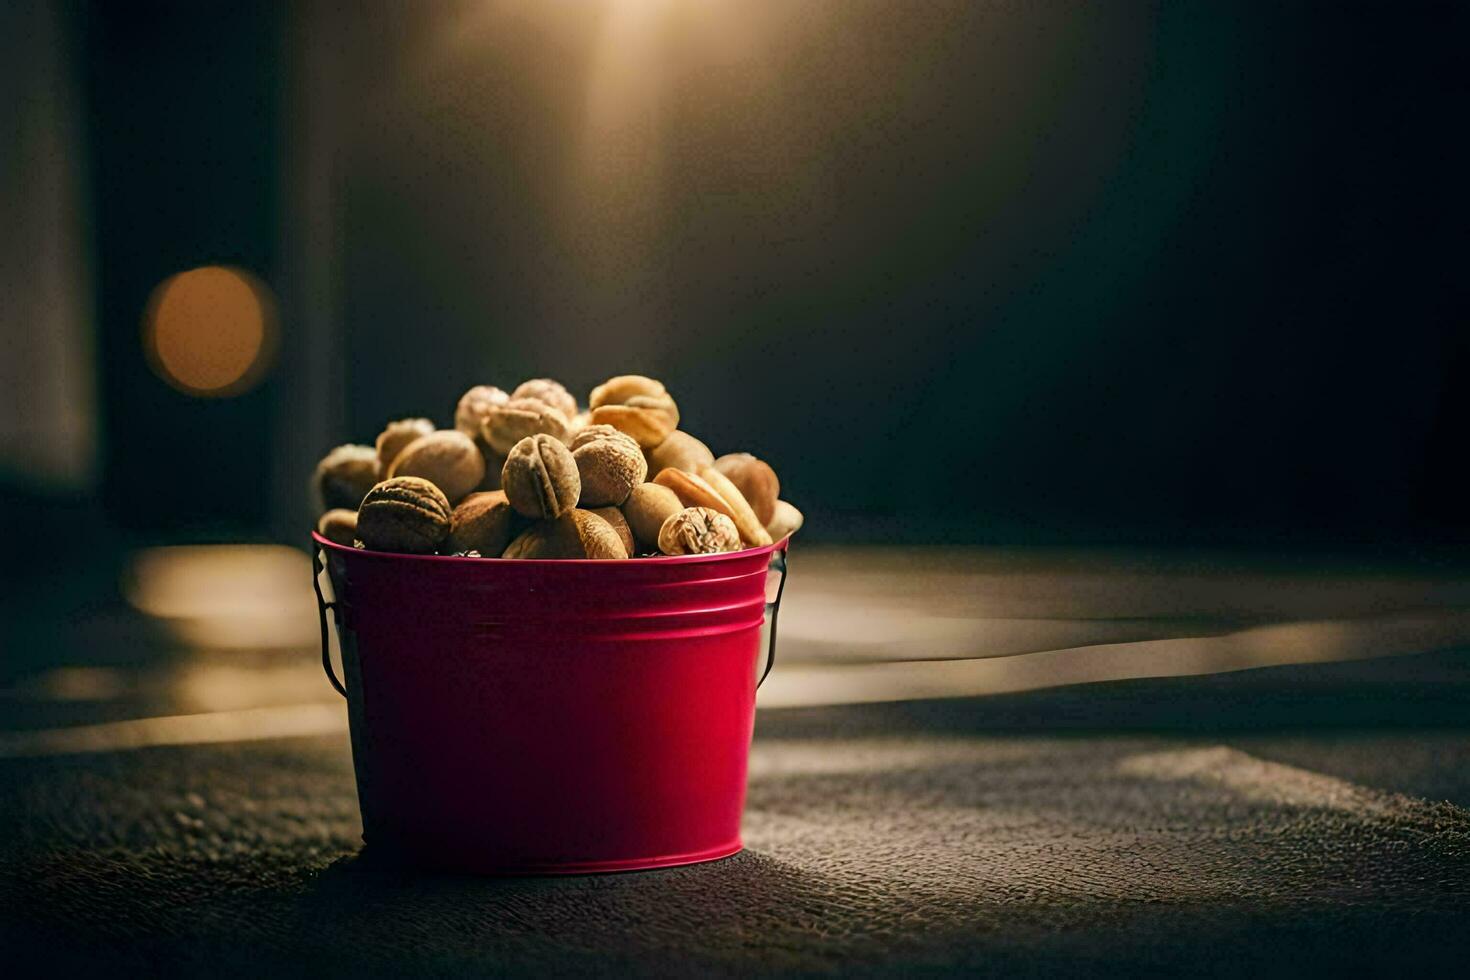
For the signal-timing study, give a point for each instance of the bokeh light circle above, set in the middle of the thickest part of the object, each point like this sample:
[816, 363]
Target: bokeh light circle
[210, 331]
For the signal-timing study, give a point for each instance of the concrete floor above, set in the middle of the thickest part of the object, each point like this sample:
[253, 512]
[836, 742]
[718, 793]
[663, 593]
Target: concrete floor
[162, 816]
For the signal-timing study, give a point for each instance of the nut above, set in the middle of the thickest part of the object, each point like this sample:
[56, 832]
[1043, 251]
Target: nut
[638, 406]
[344, 476]
[681, 451]
[619, 523]
[553, 393]
[540, 477]
[474, 405]
[505, 425]
[647, 507]
[609, 463]
[575, 534]
[755, 480]
[787, 521]
[405, 513]
[709, 488]
[339, 525]
[396, 436]
[449, 459]
[483, 522]
[698, 531]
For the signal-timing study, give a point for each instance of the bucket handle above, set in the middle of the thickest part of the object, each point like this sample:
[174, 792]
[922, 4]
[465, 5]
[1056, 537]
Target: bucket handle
[322, 605]
[778, 565]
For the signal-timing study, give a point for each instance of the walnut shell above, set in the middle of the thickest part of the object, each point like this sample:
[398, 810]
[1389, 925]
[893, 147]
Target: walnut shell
[505, 425]
[619, 523]
[609, 463]
[344, 476]
[449, 459]
[339, 525]
[638, 406]
[755, 480]
[474, 405]
[647, 507]
[396, 436]
[698, 531]
[405, 513]
[681, 451]
[540, 477]
[483, 522]
[575, 534]
[787, 520]
[709, 488]
[553, 393]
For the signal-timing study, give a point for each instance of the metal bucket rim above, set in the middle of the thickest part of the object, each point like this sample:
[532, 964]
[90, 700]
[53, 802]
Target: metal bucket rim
[332, 546]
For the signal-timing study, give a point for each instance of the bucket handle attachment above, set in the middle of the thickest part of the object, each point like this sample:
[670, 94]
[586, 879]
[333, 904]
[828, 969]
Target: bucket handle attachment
[322, 605]
[778, 565]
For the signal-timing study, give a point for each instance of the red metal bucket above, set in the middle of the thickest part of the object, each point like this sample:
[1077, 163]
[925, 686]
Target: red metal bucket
[550, 717]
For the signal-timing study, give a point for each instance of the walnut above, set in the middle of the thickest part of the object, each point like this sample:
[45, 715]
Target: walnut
[405, 513]
[540, 477]
[698, 531]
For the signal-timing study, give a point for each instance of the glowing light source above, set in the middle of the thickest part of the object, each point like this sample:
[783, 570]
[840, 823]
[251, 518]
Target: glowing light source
[210, 331]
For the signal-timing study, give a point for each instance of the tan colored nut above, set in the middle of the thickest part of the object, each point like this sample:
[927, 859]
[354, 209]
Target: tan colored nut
[449, 459]
[647, 507]
[575, 534]
[483, 522]
[344, 476]
[505, 425]
[540, 477]
[610, 465]
[579, 422]
[589, 433]
[619, 523]
[681, 451]
[474, 405]
[638, 406]
[709, 488]
[395, 438]
[751, 529]
[617, 391]
[755, 479]
[698, 531]
[553, 393]
[787, 521]
[339, 526]
[405, 513]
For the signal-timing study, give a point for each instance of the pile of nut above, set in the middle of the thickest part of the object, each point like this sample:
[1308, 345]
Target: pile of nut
[528, 475]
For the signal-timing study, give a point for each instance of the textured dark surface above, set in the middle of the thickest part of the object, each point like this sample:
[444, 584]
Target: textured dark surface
[1308, 819]
[1014, 853]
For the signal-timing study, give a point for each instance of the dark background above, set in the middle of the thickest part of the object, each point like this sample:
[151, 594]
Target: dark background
[1179, 273]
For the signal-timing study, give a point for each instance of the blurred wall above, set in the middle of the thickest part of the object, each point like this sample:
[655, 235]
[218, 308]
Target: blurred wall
[962, 271]
[48, 404]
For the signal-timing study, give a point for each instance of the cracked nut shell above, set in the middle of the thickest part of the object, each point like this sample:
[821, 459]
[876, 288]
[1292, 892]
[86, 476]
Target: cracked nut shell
[709, 488]
[755, 480]
[449, 459]
[406, 514]
[576, 534]
[540, 477]
[505, 425]
[698, 531]
[344, 476]
[609, 463]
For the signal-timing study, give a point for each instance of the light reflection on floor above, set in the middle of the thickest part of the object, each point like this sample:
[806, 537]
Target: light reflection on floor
[858, 625]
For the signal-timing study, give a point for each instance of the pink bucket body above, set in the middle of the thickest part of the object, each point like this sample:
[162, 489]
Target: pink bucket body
[550, 716]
